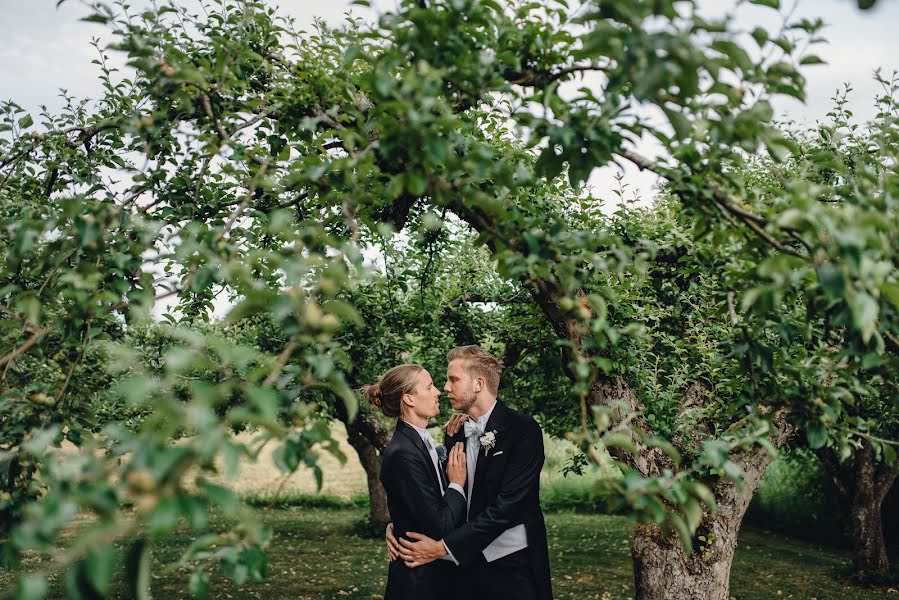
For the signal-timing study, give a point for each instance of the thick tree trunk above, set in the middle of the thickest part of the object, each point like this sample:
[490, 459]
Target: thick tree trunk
[663, 571]
[863, 483]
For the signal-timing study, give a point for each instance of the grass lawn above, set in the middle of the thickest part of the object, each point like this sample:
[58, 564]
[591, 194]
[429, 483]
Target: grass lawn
[315, 554]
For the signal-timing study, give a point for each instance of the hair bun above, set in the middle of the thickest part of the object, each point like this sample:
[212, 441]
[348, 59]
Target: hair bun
[372, 393]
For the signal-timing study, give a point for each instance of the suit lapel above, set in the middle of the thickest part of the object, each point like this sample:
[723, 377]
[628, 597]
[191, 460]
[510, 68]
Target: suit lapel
[419, 443]
[443, 478]
[496, 422]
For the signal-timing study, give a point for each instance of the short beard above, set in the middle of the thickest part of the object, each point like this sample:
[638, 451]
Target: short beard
[466, 402]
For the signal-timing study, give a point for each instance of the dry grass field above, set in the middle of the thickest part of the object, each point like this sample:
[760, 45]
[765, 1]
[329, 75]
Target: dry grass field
[261, 477]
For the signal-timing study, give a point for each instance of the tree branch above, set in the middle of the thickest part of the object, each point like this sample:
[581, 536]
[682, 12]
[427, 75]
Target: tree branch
[35, 338]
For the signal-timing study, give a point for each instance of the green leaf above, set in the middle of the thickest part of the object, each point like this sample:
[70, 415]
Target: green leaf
[683, 531]
[760, 35]
[890, 291]
[864, 313]
[164, 517]
[816, 434]
[734, 52]
[811, 59]
[872, 360]
[665, 446]
[96, 18]
[99, 566]
[199, 584]
[256, 562]
[222, 496]
[619, 440]
[26, 122]
[550, 164]
[769, 3]
[832, 281]
[693, 513]
[682, 126]
[889, 454]
[705, 495]
[137, 570]
[31, 587]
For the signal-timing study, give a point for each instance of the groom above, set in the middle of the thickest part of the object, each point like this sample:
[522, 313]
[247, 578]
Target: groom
[502, 548]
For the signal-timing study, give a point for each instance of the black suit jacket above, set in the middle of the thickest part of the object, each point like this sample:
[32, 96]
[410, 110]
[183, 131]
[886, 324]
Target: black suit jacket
[416, 504]
[506, 492]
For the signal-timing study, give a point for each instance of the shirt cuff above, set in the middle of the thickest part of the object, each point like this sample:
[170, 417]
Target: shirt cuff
[449, 555]
[457, 487]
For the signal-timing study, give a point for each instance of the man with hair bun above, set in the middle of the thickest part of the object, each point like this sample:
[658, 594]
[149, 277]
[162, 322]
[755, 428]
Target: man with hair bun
[421, 496]
[501, 549]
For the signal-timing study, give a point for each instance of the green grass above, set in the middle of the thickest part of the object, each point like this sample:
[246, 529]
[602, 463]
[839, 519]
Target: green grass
[577, 494]
[316, 554]
[303, 500]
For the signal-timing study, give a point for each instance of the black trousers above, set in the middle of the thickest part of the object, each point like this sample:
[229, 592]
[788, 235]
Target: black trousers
[508, 578]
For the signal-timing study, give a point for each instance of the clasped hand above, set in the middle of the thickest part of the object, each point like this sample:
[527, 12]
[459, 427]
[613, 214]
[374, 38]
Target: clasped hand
[414, 554]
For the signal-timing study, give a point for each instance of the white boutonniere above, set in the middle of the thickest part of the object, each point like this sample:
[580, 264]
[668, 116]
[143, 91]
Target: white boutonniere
[488, 441]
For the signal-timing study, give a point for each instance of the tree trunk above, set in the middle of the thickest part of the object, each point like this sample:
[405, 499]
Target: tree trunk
[370, 457]
[863, 483]
[662, 570]
[866, 533]
[369, 435]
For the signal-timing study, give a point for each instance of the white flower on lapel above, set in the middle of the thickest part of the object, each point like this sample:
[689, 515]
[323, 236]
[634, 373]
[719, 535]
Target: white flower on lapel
[488, 441]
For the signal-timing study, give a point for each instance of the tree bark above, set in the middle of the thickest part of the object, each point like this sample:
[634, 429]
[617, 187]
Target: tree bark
[663, 571]
[369, 435]
[863, 483]
[370, 457]
[866, 533]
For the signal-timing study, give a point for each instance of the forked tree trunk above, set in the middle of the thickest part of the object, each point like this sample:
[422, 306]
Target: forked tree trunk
[663, 571]
[863, 483]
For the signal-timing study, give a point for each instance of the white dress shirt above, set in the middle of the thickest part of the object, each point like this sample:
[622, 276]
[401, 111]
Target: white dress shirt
[511, 540]
[432, 450]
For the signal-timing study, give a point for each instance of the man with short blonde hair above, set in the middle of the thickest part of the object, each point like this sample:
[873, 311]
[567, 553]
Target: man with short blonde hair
[478, 363]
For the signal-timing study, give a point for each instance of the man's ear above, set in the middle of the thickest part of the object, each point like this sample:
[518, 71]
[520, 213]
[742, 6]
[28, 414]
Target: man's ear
[479, 384]
[407, 400]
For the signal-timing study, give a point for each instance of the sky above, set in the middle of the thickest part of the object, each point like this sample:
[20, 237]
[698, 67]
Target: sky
[44, 48]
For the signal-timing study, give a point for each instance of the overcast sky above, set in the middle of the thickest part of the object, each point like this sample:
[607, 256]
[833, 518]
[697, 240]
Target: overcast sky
[44, 48]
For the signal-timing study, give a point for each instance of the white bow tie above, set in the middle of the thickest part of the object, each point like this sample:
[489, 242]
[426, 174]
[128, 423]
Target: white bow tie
[474, 428]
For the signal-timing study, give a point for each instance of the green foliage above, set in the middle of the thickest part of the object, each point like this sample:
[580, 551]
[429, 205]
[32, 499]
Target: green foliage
[797, 498]
[239, 156]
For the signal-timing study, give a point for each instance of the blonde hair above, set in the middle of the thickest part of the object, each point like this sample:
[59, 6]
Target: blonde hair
[478, 363]
[387, 393]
